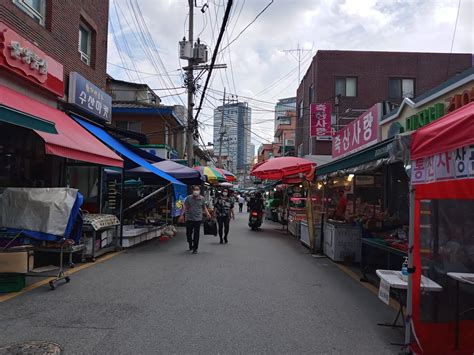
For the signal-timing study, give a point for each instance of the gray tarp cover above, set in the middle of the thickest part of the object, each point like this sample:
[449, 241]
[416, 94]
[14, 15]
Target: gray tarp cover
[44, 210]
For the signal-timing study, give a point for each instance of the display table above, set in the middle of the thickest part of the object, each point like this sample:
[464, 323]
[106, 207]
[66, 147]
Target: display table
[468, 279]
[100, 232]
[394, 279]
[370, 246]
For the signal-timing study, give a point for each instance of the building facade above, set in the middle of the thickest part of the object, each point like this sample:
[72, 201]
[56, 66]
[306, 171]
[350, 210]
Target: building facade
[353, 81]
[137, 108]
[282, 107]
[232, 127]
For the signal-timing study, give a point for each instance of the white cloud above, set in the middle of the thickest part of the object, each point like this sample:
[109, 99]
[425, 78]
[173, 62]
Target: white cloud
[257, 57]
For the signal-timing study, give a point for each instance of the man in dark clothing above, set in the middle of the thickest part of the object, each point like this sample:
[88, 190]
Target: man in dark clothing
[224, 209]
[193, 209]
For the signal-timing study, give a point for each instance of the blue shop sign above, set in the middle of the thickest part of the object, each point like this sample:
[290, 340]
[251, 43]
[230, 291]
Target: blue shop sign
[84, 94]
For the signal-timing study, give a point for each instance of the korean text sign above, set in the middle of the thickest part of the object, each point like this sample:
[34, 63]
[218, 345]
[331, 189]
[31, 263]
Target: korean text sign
[357, 135]
[320, 120]
[455, 164]
[84, 94]
[28, 61]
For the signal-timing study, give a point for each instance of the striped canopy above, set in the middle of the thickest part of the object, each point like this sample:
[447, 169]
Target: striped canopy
[212, 174]
[227, 174]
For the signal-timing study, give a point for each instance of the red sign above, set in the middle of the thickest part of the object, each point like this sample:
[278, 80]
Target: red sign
[357, 135]
[24, 58]
[320, 120]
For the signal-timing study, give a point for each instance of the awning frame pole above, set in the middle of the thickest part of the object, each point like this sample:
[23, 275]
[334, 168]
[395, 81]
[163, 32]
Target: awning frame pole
[411, 244]
[146, 197]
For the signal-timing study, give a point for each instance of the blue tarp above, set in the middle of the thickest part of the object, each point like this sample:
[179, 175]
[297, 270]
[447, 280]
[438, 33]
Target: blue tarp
[117, 145]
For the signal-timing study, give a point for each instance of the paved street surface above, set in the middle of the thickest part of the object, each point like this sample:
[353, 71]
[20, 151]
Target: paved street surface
[261, 293]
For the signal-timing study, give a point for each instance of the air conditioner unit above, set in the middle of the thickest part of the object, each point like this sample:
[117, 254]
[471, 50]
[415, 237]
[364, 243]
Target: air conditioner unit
[185, 49]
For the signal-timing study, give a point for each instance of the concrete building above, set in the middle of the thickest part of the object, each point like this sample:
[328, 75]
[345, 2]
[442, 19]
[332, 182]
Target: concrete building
[137, 108]
[232, 138]
[353, 81]
[283, 106]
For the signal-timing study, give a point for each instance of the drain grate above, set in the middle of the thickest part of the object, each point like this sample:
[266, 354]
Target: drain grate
[32, 348]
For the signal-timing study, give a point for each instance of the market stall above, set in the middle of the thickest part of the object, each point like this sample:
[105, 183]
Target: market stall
[441, 235]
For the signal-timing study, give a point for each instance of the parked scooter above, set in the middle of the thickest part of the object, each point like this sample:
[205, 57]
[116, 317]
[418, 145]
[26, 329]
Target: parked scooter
[255, 219]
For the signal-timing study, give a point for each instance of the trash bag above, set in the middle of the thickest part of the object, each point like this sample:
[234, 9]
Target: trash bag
[210, 227]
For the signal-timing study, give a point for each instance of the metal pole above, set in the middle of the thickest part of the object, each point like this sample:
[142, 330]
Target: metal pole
[309, 216]
[121, 207]
[190, 84]
[411, 242]
[221, 131]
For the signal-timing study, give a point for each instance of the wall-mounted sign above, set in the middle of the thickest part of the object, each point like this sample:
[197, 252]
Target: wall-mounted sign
[357, 135]
[320, 115]
[87, 96]
[455, 164]
[25, 59]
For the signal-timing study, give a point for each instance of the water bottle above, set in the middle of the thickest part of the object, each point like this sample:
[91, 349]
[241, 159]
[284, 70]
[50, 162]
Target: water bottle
[405, 270]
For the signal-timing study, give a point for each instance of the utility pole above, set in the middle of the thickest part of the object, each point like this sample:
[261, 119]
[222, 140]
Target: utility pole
[190, 85]
[298, 50]
[221, 132]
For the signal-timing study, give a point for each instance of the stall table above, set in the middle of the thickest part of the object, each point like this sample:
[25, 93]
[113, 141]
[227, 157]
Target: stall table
[380, 245]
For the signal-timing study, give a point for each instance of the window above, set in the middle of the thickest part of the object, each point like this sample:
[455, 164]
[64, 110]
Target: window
[301, 109]
[85, 37]
[133, 126]
[346, 87]
[311, 94]
[36, 9]
[399, 88]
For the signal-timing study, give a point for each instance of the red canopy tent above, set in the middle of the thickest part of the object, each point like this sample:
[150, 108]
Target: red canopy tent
[283, 167]
[442, 234]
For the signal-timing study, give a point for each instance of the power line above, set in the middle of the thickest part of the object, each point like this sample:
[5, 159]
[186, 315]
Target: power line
[142, 72]
[245, 28]
[214, 55]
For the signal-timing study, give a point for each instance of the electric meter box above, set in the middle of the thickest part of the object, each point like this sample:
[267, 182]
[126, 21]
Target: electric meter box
[185, 50]
[201, 53]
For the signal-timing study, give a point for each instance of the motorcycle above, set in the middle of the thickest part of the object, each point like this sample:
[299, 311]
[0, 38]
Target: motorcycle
[255, 220]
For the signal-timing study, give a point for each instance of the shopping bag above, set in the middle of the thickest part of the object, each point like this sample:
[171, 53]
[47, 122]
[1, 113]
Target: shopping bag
[210, 227]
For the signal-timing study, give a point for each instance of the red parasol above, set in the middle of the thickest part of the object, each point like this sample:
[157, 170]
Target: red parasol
[283, 167]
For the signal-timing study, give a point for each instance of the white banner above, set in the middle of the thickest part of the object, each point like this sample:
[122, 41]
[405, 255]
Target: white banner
[456, 164]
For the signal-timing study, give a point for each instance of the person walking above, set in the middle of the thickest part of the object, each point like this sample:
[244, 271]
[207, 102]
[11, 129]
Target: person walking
[224, 210]
[241, 203]
[193, 209]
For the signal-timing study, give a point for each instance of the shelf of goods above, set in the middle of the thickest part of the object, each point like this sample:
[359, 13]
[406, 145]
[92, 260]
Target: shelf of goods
[342, 242]
[100, 233]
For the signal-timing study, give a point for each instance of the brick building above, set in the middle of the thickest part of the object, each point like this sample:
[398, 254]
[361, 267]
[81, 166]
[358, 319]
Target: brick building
[353, 81]
[137, 108]
[72, 32]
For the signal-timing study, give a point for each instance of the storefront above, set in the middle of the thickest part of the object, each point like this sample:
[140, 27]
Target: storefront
[37, 142]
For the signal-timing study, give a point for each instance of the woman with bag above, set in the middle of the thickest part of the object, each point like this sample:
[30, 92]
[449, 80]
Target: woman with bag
[224, 211]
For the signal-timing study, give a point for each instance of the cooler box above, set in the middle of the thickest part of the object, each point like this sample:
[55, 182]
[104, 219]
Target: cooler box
[342, 242]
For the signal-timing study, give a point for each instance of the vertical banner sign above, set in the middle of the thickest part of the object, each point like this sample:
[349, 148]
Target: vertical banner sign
[178, 200]
[357, 135]
[320, 121]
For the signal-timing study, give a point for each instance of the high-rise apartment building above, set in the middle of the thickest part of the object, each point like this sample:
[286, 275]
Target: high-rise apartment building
[232, 125]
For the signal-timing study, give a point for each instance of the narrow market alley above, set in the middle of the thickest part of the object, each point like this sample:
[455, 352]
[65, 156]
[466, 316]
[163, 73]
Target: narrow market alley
[261, 293]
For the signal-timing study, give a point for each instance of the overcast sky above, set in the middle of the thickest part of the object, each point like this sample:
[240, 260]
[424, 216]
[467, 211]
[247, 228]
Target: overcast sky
[257, 67]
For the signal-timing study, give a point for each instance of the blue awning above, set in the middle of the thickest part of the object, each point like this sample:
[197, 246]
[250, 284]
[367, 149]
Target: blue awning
[120, 148]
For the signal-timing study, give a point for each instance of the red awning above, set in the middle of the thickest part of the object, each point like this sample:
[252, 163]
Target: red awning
[72, 141]
[455, 130]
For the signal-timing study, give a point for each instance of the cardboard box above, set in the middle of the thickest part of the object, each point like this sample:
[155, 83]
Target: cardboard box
[16, 262]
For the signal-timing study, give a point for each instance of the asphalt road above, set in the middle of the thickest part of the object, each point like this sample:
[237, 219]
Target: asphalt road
[261, 293]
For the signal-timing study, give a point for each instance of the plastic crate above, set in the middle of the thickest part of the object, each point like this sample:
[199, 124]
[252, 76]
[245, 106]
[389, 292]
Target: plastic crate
[12, 282]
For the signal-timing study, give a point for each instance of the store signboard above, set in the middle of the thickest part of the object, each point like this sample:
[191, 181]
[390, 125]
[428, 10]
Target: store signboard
[452, 165]
[87, 96]
[25, 59]
[359, 134]
[320, 121]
